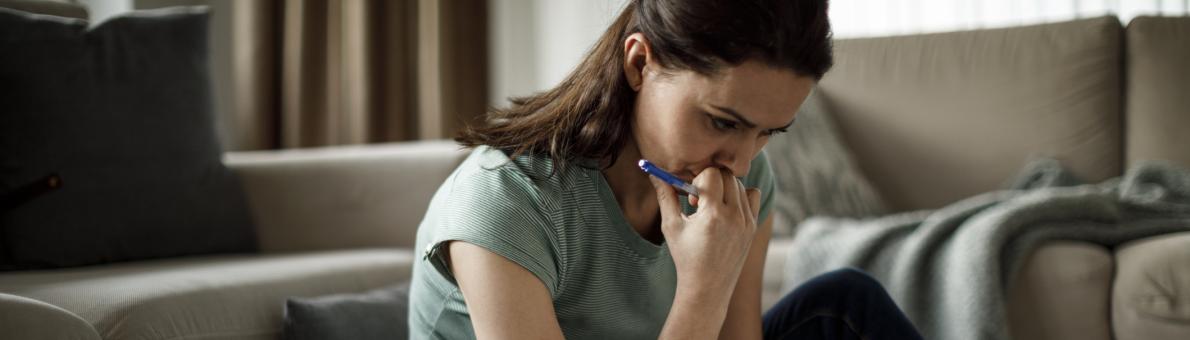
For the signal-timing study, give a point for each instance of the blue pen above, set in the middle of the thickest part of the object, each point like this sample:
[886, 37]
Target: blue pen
[666, 177]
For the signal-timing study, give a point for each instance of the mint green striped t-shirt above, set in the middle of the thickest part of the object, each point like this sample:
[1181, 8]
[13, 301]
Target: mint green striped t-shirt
[605, 280]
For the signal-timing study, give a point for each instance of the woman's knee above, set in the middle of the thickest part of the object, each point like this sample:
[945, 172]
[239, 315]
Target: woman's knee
[836, 293]
[845, 282]
[849, 277]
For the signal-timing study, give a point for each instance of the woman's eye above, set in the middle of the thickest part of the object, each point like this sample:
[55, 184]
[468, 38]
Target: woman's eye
[773, 132]
[723, 124]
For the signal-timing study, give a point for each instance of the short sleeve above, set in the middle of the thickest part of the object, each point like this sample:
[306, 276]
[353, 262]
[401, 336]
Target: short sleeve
[760, 175]
[499, 210]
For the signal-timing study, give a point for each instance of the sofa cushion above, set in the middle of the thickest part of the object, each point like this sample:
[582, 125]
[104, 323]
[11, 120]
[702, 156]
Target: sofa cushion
[339, 197]
[209, 297]
[1062, 292]
[816, 175]
[377, 314]
[1158, 71]
[107, 142]
[25, 318]
[934, 118]
[773, 284]
[1151, 296]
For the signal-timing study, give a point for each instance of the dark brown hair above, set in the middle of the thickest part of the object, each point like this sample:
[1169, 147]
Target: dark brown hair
[588, 115]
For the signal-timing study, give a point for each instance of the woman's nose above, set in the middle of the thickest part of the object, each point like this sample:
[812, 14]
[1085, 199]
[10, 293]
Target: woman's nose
[737, 159]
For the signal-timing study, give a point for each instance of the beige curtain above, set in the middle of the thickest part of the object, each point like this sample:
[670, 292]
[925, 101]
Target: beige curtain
[325, 72]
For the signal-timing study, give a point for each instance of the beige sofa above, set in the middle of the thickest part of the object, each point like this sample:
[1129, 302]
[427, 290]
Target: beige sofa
[938, 117]
[930, 119]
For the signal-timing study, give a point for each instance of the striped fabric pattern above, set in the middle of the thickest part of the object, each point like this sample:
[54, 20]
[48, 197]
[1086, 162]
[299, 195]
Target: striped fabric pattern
[605, 280]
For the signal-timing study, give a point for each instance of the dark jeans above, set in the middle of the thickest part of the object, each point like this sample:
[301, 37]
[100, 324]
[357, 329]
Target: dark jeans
[842, 304]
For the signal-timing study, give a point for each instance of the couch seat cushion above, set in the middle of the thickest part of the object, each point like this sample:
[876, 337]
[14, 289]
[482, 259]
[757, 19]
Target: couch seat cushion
[1151, 295]
[210, 297]
[25, 318]
[1062, 291]
[773, 284]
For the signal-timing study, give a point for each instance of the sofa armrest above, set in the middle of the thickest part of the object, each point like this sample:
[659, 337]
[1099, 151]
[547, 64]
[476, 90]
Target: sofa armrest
[342, 197]
[25, 318]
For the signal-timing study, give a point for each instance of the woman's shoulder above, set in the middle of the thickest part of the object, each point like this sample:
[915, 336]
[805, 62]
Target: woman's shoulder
[488, 171]
[486, 197]
[488, 159]
[526, 170]
[528, 180]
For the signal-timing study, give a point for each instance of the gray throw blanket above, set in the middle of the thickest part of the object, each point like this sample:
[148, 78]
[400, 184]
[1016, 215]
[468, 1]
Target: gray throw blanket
[948, 269]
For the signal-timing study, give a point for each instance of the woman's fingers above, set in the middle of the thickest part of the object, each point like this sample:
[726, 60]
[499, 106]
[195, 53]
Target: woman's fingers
[710, 186]
[667, 199]
[754, 204]
[742, 198]
[721, 187]
[731, 189]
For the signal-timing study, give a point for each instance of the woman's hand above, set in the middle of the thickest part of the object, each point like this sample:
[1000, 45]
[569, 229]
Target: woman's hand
[709, 247]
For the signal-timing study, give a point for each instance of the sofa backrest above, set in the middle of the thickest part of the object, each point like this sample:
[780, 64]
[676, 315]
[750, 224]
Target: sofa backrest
[61, 8]
[1157, 109]
[934, 118]
[344, 196]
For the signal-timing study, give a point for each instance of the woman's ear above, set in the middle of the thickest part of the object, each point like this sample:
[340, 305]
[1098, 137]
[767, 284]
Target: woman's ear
[636, 58]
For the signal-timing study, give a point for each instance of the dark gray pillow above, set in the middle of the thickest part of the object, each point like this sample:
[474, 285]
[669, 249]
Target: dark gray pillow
[816, 174]
[377, 314]
[108, 149]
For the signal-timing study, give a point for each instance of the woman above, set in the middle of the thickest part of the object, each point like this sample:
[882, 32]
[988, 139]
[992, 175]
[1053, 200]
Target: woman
[549, 230]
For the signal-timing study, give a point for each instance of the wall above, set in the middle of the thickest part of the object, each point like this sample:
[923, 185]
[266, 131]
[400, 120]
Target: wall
[100, 10]
[866, 18]
[535, 43]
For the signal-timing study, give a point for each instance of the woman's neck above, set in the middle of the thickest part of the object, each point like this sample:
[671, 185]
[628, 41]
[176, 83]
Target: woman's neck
[634, 193]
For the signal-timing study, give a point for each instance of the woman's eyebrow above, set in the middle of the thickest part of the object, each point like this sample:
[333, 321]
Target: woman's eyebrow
[737, 115]
[745, 121]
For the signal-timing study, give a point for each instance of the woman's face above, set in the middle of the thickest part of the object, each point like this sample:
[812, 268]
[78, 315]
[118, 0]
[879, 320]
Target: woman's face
[686, 122]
